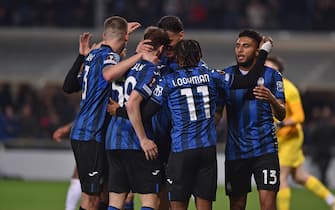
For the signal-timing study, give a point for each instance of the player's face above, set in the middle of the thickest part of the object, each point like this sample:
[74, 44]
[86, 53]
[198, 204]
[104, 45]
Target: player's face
[174, 38]
[271, 65]
[246, 50]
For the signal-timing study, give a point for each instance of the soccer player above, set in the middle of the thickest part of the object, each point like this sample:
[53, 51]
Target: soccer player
[290, 140]
[251, 141]
[71, 84]
[87, 134]
[175, 30]
[191, 93]
[133, 163]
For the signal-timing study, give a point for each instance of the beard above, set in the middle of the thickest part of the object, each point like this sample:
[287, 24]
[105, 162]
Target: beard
[247, 63]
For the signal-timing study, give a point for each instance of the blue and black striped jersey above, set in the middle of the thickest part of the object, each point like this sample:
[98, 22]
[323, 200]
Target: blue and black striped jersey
[120, 133]
[88, 124]
[251, 130]
[191, 95]
[161, 121]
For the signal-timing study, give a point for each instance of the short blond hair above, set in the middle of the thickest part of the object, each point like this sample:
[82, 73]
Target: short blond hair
[115, 27]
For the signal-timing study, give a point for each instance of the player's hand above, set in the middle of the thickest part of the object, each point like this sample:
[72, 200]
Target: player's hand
[112, 106]
[84, 43]
[266, 39]
[59, 134]
[266, 43]
[263, 93]
[151, 58]
[144, 46]
[150, 149]
[132, 26]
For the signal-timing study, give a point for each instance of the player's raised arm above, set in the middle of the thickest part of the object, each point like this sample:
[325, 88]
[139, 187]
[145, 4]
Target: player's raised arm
[250, 79]
[114, 72]
[71, 82]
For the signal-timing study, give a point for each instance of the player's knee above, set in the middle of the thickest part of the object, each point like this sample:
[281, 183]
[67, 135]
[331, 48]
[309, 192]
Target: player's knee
[300, 179]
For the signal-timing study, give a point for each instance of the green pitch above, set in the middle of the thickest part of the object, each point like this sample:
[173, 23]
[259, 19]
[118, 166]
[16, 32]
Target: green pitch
[39, 195]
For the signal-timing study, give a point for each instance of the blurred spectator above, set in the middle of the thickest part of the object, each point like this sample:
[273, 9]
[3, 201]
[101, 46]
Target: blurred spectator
[324, 14]
[233, 18]
[6, 98]
[34, 113]
[174, 7]
[323, 136]
[198, 14]
[29, 126]
[224, 14]
[9, 124]
[256, 14]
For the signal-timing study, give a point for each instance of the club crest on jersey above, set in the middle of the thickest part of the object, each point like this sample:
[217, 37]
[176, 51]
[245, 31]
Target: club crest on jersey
[260, 81]
[110, 59]
[280, 86]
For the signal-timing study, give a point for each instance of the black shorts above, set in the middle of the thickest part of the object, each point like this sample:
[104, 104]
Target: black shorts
[192, 172]
[164, 147]
[91, 163]
[130, 171]
[238, 173]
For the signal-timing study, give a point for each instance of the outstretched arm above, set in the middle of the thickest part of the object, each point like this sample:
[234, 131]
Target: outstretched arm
[114, 72]
[71, 83]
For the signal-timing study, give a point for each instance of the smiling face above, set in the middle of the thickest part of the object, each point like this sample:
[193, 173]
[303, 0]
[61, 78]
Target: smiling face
[246, 50]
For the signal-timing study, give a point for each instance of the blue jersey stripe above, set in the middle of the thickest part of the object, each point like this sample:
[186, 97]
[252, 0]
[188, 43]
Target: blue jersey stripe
[191, 97]
[250, 121]
[121, 134]
[89, 122]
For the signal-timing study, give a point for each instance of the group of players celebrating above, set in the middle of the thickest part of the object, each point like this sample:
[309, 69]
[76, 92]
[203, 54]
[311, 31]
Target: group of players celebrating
[146, 123]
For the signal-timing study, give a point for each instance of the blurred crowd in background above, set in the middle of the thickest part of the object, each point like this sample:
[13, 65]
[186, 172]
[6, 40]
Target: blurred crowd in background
[218, 14]
[31, 112]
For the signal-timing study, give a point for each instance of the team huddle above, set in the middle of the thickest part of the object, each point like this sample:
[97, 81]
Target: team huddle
[146, 124]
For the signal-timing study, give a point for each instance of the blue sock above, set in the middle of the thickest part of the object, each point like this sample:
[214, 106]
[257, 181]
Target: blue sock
[146, 208]
[129, 205]
[112, 208]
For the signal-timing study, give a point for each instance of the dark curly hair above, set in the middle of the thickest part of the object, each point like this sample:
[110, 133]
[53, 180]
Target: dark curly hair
[188, 53]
